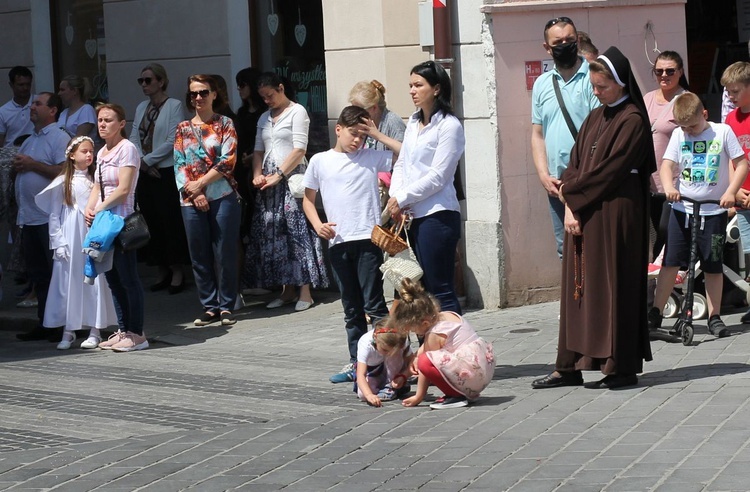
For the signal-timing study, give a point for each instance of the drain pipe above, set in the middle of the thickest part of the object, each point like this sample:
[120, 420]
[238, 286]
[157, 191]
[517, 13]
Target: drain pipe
[441, 25]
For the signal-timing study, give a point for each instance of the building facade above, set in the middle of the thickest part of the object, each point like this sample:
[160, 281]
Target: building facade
[325, 46]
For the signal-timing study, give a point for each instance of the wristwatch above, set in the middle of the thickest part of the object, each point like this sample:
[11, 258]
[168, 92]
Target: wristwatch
[280, 173]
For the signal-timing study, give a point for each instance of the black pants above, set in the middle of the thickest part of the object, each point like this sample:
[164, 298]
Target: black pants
[38, 257]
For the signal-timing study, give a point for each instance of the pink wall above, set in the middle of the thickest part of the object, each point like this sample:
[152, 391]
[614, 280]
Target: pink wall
[532, 267]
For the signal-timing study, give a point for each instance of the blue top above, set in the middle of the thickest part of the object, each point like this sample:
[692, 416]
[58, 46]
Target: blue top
[579, 98]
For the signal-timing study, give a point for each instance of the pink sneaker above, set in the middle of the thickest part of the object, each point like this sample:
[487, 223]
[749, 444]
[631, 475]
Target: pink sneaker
[130, 342]
[113, 339]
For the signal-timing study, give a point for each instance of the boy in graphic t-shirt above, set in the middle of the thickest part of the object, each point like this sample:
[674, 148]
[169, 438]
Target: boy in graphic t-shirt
[736, 80]
[347, 178]
[703, 151]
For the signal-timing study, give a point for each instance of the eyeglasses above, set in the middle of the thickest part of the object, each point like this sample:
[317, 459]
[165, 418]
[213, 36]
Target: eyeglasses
[557, 20]
[147, 80]
[204, 94]
[661, 71]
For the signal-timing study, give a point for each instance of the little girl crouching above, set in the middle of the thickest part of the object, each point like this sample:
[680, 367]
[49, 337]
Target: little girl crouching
[453, 357]
[383, 358]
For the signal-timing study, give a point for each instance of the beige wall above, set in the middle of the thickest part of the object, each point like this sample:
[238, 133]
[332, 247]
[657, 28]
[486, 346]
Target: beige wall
[532, 267]
[15, 41]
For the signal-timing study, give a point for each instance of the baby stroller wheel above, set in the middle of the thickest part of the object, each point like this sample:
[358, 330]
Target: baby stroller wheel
[700, 306]
[671, 307]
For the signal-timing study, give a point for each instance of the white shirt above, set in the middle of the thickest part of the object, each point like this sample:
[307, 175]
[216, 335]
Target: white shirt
[704, 162]
[14, 120]
[348, 185]
[288, 133]
[423, 174]
[48, 147]
[70, 122]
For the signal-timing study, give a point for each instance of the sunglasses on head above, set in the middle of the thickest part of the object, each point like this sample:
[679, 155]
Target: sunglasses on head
[147, 80]
[557, 20]
[204, 94]
[661, 71]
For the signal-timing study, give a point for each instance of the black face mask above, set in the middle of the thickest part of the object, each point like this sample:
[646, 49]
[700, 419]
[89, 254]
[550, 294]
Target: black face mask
[565, 55]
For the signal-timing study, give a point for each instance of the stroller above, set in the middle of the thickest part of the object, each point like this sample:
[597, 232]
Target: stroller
[693, 305]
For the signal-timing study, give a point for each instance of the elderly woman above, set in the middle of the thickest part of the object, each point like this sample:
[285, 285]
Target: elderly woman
[672, 82]
[153, 131]
[422, 182]
[78, 118]
[204, 157]
[284, 249]
[605, 191]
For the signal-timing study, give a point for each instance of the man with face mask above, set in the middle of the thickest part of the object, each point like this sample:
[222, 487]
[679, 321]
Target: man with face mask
[552, 134]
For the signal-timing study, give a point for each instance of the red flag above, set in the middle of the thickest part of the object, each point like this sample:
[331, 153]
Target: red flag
[439, 4]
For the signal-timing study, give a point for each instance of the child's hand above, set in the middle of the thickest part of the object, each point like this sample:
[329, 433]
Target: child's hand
[259, 181]
[398, 381]
[326, 230]
[412, 401]
[374, 400]
[672, 194]
[727, 200]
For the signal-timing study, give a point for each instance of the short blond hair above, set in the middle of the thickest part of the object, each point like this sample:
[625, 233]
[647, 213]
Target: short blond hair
[686, 106]
[736, 73]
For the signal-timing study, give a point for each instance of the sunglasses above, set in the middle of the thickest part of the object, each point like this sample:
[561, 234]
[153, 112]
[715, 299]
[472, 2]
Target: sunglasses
[204, 94]
[147, 80]
[557, 20]
[661, 71]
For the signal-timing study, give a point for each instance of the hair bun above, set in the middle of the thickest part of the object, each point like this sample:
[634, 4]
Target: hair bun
[378, 87]
[410, 290]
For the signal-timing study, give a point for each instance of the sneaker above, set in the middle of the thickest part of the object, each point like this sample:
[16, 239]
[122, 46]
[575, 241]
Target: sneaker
[227, 318]
[745, 319]
[347, 375]
[654, 318]
[91, 342]
[130, 342]
[112, 340]
[387, 393]
[717, 327]
[206, 319]
[450, 402]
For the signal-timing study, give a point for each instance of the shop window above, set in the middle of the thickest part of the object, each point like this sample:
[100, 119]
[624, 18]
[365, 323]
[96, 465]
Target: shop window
[288, 39]
[78, 42]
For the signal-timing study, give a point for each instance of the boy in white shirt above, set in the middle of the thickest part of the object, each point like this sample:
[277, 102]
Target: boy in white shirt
[347, 178]
[704, 152]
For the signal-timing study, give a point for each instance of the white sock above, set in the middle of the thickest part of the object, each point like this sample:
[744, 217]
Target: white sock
[95, 333]
[68, 336]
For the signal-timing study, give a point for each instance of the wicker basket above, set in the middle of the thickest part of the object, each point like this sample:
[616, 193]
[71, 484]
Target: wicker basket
[389, 240]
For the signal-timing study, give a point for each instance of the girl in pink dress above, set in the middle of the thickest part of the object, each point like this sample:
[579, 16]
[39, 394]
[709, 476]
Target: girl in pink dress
[453, 357]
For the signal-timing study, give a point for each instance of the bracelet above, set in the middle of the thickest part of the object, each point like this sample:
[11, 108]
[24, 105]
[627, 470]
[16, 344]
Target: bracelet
[280, 173]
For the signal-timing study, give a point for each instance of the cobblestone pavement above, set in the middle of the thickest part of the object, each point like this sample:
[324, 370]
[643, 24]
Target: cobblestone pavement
[250, 407]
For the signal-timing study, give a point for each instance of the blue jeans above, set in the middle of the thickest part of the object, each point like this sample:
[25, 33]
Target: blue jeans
[434, 239]
[213, 240]
[38, 257]
[557, 212]
[127, 292]
[356, 269]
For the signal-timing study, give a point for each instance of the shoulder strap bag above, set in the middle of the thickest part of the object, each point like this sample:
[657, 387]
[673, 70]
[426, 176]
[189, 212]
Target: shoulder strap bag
[135, 233]
[566, 115]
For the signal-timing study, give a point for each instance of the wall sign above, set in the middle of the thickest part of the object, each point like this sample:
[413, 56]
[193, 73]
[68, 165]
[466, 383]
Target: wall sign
[533, 69]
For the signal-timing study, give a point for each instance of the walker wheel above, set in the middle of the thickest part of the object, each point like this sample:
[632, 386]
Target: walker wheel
[671, 307]
[687, 334]
[700, 306]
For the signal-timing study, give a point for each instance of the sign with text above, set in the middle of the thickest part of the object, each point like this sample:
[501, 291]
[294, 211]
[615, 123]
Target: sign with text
[533, 69]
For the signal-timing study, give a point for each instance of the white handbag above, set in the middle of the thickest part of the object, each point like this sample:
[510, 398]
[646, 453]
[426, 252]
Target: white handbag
[295, 185]
[400, 266]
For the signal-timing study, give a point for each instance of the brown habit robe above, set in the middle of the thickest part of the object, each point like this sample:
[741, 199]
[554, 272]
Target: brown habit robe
[606, 327]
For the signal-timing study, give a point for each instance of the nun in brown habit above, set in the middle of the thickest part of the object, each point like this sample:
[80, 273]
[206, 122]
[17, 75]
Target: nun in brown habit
[605, 189]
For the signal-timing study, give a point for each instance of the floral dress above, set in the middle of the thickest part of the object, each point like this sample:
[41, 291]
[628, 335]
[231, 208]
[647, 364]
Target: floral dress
[283, 249]
[466, 361]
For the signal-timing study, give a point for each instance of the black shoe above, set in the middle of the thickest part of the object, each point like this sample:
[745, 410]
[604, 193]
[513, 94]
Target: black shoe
[206, 319]
[745, 319]
[161, 284]
[39, 333]
[717, 327]
[654, 318]
[614, 381]
[573, 378]
[227, 318]
[176, 289]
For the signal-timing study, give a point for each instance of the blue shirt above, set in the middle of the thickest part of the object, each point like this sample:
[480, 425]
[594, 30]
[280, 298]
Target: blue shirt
[579, 98]
[48, 147]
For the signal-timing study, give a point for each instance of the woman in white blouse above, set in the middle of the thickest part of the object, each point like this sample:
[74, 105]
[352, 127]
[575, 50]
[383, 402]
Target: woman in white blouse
[78, 118]
[422, 183]
[284, 249]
